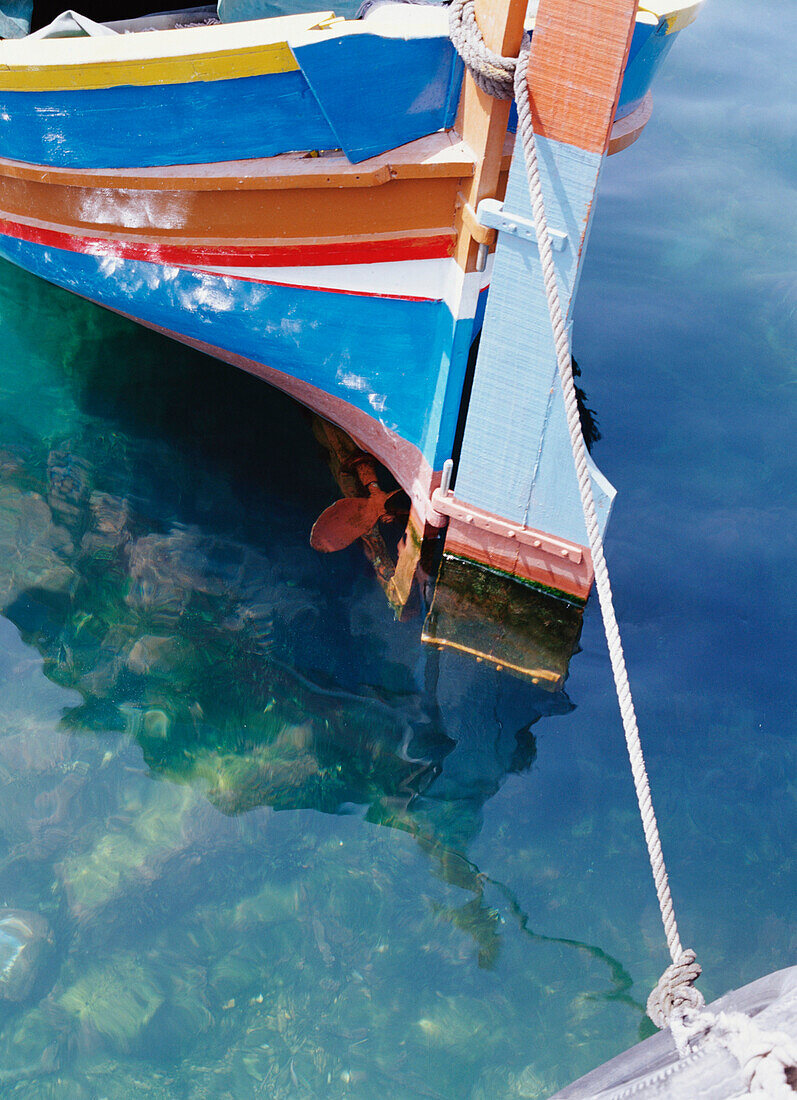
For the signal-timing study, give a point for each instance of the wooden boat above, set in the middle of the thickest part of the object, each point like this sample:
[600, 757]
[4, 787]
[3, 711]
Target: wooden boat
[323, 202]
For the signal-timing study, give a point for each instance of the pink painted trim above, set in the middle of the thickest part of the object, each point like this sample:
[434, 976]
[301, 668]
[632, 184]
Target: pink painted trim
[447, 504]
[519, 551]
[626, 130]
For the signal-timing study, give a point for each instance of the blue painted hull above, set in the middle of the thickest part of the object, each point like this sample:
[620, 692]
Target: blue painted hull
[205, 121]
[404, 89]
[394, 91]
[401, 362]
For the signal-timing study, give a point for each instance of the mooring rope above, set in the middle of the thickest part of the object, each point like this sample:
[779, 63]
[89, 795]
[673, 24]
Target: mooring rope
[493, 73]
[767, 1060]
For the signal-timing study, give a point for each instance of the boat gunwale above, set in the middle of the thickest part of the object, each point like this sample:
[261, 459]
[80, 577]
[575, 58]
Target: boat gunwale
[183, 43]
[443, 155]
[221, 51]
[225, 50]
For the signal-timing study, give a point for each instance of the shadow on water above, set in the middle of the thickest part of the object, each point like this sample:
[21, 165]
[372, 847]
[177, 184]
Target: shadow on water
[153, 550]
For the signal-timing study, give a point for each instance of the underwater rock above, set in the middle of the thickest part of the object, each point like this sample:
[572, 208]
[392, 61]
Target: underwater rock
[155, 654]
[183, 1016]
[32, 548]
[108, 532]
[68, 477]
[42, 779]
[460, 1024]
[115, 1000]
[274, 903]
[30, 1048]
[165, 823]
[26, 941]
[284, 773]
[166, 571]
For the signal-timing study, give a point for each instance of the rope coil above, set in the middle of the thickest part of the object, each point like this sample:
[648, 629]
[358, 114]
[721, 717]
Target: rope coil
[768, 1060]
[492, 72]
[675, 992]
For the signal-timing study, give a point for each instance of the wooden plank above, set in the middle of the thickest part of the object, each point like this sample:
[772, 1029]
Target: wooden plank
[402, 209]
[482, 120]
[515, 461]
[438, 156]
[578, 54]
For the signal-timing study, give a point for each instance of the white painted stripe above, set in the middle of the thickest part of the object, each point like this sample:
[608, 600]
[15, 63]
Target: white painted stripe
[434, 280]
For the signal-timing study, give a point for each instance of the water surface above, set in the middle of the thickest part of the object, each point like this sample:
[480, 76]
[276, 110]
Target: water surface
[286, 852]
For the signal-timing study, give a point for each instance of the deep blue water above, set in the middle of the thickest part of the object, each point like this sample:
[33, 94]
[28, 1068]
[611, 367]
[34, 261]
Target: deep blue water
[284, 851]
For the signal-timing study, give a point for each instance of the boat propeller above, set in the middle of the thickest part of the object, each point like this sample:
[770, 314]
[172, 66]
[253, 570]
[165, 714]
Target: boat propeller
[351, 518]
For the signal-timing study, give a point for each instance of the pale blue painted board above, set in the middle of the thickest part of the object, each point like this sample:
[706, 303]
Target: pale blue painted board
[516, 460]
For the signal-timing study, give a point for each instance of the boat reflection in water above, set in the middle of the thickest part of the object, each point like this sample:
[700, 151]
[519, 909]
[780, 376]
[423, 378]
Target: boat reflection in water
[200, 669]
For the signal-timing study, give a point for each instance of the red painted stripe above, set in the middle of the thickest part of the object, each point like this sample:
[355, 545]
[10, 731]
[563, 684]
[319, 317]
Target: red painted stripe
[287, 255]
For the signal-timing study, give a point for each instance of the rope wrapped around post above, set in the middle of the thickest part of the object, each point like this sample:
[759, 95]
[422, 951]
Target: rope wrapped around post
[768, 1061]
[491, 72]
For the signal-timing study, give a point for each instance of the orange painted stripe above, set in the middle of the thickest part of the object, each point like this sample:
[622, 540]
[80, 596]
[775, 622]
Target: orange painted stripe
[303, 253]
[578, 54]
[400, 208]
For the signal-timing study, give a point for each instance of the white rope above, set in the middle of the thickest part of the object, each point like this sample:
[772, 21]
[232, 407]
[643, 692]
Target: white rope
[492, 73]
[602, 583]
[768, 1060]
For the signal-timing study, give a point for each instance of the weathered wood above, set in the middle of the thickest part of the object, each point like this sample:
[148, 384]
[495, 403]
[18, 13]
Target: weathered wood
[578, 54]
[516, 460]
[401, 589]
[494, 618]
[482, 120]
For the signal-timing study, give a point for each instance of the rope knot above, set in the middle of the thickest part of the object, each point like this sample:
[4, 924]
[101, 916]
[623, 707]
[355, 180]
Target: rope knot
[767, 1059]
[493, 73]
[674, 994]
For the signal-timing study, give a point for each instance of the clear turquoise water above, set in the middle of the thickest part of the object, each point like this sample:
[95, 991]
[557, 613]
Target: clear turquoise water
[287, 853]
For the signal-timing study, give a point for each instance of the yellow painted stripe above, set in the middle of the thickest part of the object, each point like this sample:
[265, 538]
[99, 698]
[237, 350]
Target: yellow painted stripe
[676, 18]
[275, 57]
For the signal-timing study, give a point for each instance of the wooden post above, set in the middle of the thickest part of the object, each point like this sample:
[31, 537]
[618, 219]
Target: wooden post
[482, 120]
[516, 507]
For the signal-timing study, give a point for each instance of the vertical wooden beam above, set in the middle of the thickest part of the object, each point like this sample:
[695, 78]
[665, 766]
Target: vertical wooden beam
[577, 60]
[482, 120]
[515, 461]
